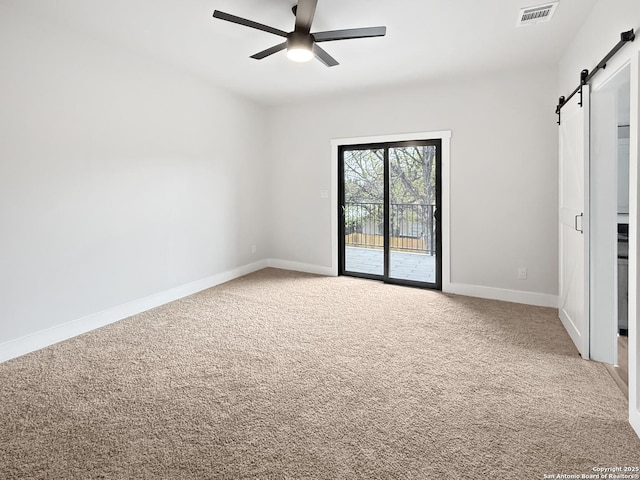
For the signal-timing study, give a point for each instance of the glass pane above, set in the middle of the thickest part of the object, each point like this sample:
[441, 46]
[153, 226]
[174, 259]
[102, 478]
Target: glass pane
[364, 211]
[412, 203]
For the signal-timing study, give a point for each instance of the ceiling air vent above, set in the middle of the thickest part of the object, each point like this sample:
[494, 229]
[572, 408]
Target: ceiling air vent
[537, 14]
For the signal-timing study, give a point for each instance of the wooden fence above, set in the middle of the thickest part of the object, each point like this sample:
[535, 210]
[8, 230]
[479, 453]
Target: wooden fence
[364, 240]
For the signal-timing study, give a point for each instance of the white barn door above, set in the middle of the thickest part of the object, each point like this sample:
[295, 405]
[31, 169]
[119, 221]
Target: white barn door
[574, 238]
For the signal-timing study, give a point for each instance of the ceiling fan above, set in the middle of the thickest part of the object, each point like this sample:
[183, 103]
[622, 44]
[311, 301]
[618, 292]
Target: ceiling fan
[301, 44]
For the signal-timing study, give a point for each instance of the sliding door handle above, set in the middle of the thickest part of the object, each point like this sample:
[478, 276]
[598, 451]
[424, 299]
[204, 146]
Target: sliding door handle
[575, 223]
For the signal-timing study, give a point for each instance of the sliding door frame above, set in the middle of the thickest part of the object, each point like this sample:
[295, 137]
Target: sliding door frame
[386, 146]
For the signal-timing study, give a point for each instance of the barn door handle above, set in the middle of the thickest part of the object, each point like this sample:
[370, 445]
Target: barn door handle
[575, 222]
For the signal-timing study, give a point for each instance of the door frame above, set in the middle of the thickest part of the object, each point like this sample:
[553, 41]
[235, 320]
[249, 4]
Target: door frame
[630, 54]
[603, 221]
[445, 137]
[386, 276]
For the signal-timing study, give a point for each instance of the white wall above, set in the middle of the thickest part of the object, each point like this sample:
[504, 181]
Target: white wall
[503, 171]
[119, 178]
[597, 36]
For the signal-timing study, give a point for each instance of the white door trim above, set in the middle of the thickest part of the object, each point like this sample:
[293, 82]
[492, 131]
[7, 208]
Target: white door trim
[604, 207]
[630, 54]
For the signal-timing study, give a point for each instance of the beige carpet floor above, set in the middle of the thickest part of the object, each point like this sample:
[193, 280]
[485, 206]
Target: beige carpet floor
[282, 375]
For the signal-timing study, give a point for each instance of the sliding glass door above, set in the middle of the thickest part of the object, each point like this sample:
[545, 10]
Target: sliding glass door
[389, 197]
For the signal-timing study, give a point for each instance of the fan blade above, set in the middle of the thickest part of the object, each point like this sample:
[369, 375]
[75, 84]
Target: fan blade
[247, 23]
[349, 33]
[304, 15]
[324, 57]
[269, 51]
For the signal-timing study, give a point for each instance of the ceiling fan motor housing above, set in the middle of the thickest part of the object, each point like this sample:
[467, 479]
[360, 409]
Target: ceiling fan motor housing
[299, 40]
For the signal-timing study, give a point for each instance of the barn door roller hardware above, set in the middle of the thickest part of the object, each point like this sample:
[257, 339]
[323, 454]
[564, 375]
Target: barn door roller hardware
[586, 76]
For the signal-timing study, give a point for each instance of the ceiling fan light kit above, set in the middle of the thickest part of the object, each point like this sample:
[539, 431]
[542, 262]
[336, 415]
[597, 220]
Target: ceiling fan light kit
[301, 44]
[299, 47]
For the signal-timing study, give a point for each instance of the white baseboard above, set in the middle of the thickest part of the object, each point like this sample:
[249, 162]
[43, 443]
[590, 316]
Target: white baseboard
[515, 296]
[634, 418]
[302, 267]
[491, 293]
[44, 338]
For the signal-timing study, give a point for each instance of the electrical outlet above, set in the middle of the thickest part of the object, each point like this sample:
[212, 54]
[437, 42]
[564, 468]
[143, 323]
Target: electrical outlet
[253, 249]
[522, 273]
[324, 193]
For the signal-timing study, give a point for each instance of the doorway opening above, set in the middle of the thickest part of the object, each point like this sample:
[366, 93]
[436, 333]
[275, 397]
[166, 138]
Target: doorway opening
[610, 182]
[389, 211]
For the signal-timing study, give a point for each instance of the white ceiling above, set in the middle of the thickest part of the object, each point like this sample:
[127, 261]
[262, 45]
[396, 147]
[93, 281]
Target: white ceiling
[426, 39]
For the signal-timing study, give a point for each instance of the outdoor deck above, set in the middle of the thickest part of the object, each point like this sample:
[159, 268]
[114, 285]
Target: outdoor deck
[418, 267]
